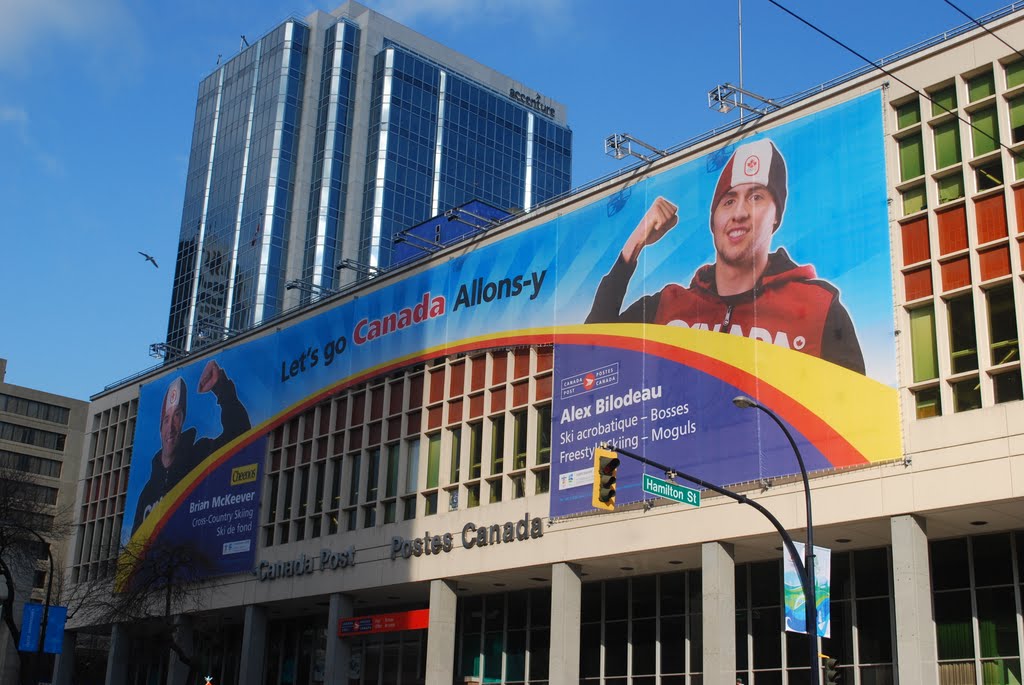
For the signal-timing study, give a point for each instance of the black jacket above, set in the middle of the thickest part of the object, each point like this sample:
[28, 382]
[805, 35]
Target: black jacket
[190, 452]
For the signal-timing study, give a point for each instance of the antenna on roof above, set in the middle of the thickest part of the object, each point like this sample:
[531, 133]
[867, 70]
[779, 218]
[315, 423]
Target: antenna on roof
[244, 44]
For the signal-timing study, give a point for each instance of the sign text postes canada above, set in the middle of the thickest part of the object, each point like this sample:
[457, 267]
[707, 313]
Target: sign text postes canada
[472, 536]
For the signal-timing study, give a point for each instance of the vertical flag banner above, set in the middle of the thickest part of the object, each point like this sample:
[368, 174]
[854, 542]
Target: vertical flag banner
[793, 591]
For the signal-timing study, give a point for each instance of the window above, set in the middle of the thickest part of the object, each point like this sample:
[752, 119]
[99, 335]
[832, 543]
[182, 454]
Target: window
[947, 144]
[966, 394]
[984, 131]
[519, 420]
[951, 187]
[34, 410]
[544, 434]
[943, 100]
[927, 402]
[497, 444]
[962, 336]
[1014, 74]
[412, 465]
[911, 157]
[1002, 322]
[433, 459]
[923, 345]
[989, 175]
[456, 454]
[391, 478]
[1017, 119]
[476, 432]
[908, 114]
[981, 87]
[914, 200]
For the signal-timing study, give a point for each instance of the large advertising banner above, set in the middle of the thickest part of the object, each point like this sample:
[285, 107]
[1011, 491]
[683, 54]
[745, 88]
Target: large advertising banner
[761, 269]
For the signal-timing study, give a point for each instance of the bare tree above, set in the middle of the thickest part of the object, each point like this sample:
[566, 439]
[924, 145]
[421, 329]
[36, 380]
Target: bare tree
[29, 522]
[156, 584]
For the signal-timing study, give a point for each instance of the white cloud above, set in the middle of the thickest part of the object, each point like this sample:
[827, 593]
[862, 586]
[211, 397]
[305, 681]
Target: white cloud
[541, 15]
[33, 28]
[10, 114]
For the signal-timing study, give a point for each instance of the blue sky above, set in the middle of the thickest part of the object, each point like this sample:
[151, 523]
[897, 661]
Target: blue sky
[97, 101]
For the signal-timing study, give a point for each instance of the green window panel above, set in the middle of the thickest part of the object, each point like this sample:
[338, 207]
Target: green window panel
[947, 144]
[922, 344]
[943, 100]
[914, 200]
[981, 87]
[911, 157]
[951, 188]
[433, 460]
[1015, 74]
[985, 133]
[908, 114]
[1017, 119]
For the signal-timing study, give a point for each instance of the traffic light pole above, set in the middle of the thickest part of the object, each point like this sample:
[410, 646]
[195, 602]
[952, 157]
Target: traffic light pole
[806, 578]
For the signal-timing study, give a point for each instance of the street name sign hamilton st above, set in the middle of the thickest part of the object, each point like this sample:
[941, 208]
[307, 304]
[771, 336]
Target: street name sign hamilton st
[668, 490]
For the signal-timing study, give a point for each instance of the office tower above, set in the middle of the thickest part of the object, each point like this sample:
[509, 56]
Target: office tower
[323, 139]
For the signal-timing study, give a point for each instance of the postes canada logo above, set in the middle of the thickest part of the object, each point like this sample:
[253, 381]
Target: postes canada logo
[752, 165]
[588, 381]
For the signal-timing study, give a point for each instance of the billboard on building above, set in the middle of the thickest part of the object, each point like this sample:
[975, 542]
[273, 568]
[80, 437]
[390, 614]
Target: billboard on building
[642, 294]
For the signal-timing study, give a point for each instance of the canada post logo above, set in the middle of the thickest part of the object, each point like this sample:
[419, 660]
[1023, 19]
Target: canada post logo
[590, 380]
[244, 474]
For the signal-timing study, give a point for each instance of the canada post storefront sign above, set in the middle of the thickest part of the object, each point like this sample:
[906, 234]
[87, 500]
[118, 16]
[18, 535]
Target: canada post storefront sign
[305, 564]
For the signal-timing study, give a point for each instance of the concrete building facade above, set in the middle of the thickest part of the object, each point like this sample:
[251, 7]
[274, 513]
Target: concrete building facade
[429, 481]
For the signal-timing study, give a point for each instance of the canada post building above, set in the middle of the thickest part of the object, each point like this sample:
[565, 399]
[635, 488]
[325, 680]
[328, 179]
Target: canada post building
[396, 483]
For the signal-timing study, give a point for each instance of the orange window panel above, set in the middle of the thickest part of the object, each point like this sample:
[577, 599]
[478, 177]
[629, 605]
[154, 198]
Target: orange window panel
[436, 385]
[358, 407]
[994, 262]
[413, 426]
[394, 427]
[455, 411]
[377, 403]
[498, 400]
[458, 378]
[500, 371]
[956, 274]
[918, 283]
[375, 433]
[340, 417]
[478, 374]
[522, 362]
[915, 241]
[543, 388]
[952, 230]
[355, 439]
[1018, 203]
[545, 358]
[395, 399]
[434, 418]
[520, 393]
[476, 406]
[991, 216]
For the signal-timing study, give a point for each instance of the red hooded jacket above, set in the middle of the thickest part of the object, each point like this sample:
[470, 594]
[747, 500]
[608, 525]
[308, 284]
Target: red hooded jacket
[789, 306]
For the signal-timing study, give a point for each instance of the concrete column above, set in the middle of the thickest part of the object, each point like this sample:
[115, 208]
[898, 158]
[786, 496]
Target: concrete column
[912, 595]
[441, 633]
[117, 657]
[566, 603]
[718, 586]
[64, 667]
[338, 650]
[177, 670]
[253, 659]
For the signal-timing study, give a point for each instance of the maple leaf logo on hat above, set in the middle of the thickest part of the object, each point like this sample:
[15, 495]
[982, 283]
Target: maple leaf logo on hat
[752, 165]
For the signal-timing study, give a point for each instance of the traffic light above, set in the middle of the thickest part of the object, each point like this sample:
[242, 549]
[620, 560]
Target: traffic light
[831, 670]
[605, 466]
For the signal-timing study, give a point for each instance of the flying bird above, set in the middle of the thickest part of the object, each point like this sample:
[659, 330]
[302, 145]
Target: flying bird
[149, 258]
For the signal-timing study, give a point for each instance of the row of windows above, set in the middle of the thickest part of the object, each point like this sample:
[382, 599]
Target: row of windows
[27, 463]
[34, 409]
[36, 437]
[41, 494]
[957, 241]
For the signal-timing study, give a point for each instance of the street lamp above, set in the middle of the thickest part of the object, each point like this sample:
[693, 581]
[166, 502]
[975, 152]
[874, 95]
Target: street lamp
[810, 599]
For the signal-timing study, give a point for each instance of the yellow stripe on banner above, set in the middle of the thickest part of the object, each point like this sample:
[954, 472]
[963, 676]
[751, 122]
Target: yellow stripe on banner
[862, 410]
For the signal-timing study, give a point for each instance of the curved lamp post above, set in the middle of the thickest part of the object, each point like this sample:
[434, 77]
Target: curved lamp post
[810, 598]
